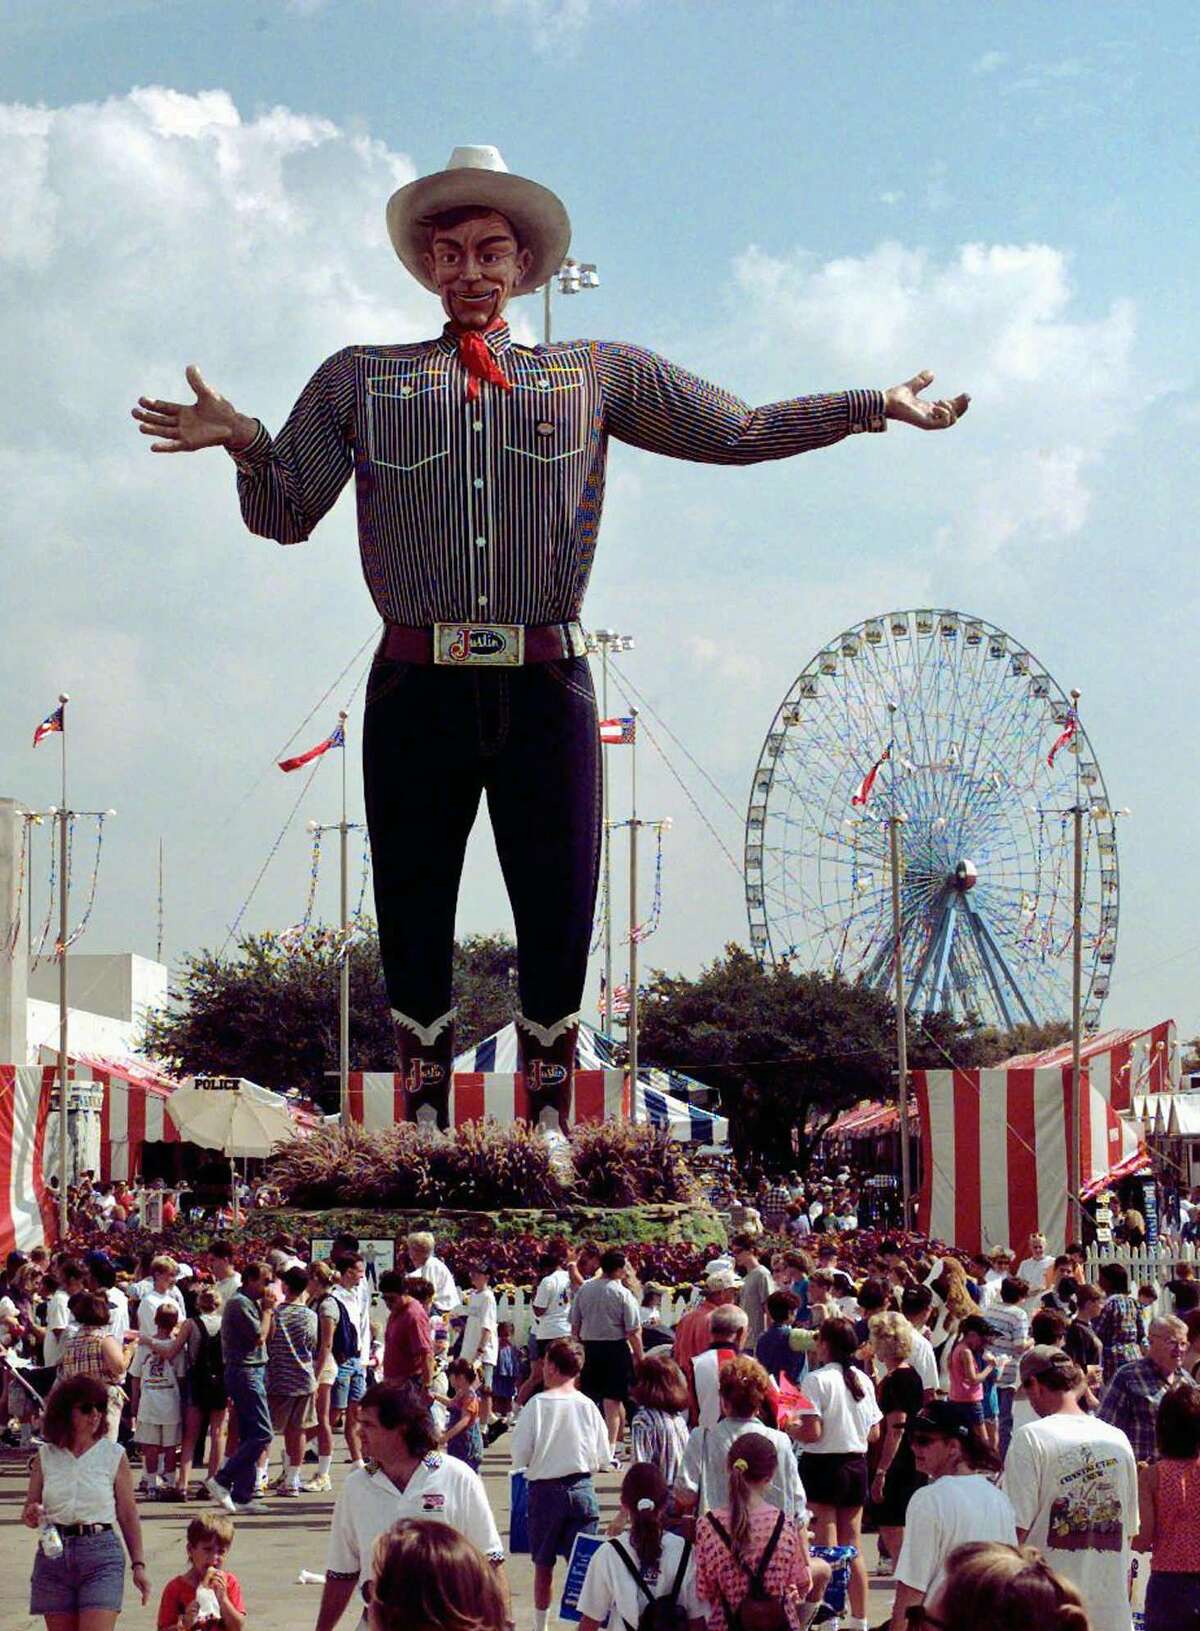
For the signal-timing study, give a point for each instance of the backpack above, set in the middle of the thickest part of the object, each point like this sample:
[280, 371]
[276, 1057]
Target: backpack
[758, 1610]
[660, 1613]
[345, 1332]
[208, 1371]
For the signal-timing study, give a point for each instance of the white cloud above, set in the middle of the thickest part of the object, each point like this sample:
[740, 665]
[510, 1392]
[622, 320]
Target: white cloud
[556, 25]
[989, 62]
[891, 198]
[1051, 387]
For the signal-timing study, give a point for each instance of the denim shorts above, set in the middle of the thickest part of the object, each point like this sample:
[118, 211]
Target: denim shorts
[560, 1509]
[89, 1574]
[350, 1385]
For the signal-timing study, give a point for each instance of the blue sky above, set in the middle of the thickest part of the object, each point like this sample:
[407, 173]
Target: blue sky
[786, 198]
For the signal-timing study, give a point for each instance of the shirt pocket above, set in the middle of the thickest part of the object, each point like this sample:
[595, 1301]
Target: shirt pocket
[408, 424]
[546, 419]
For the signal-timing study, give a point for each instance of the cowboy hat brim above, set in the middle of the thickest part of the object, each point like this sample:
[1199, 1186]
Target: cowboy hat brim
[537, 215]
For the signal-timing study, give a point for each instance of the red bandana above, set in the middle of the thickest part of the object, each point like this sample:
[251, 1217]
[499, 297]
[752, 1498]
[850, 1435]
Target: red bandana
[479, 363]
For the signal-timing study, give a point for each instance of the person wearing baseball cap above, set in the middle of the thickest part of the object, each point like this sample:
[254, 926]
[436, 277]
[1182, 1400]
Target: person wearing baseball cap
[480, 465]
[960, 1503]
[1072, 1480]
[693, 1334]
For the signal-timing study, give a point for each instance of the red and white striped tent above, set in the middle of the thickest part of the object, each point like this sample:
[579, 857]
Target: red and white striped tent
[134, 1113]
[1122, 1065]
[487, 1085]
[995, 1146]
[26, 1212]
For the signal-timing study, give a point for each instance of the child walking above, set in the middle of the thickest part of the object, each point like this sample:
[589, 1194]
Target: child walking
[506, 1378]
[160, 1405]
[464, 1440]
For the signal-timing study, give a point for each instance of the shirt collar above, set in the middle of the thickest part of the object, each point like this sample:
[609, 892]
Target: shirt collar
[498, 340]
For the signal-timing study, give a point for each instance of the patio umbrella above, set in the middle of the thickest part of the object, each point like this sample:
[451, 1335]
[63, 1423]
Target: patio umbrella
[241, 1119]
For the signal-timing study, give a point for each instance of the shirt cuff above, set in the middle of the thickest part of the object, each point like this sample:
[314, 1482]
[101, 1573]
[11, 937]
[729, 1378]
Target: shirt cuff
[864, 412]
[256, 454]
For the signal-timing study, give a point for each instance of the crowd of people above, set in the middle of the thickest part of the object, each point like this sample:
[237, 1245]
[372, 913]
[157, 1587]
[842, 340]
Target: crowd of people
[1011, 1433]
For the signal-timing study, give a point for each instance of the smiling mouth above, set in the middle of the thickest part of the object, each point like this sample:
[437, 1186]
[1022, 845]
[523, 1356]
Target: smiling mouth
[476, 299]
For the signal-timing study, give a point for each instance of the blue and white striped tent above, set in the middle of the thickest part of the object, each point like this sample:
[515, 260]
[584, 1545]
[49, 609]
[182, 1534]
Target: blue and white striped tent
[656, 1103]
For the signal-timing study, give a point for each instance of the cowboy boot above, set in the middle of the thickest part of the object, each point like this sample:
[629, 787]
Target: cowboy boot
[547, 1059]
[425, 1063]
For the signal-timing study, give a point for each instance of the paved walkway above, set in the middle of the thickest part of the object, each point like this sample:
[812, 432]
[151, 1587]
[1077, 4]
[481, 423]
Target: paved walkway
[268, 1553]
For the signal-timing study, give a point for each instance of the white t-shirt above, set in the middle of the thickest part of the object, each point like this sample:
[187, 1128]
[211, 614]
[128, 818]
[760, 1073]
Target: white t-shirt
[1072, 1481]
[446, 1296]
[560, 1433]
[949, 1513]
[924, 1361]
[118, 1315]
[1033, 1270]
[59, 1326]
[481, 1317]
[441, 1488]
[846, 1421]
[159, 1403]
[148, 1305]
[351, 1298]
[611, 1596]
[705, 1467]
[554, 1296]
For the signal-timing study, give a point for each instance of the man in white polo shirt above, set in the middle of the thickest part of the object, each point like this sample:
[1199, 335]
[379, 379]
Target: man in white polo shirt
[551, 1302]
[412, 1480]
[428, 1266]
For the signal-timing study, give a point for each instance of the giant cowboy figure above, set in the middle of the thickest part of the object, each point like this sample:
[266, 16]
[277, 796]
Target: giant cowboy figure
[479, 469]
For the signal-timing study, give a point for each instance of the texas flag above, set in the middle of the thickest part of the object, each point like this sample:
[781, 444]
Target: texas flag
[336, 740]
[616, 731]
[863, 792]
[1067, 736]
[51, 724]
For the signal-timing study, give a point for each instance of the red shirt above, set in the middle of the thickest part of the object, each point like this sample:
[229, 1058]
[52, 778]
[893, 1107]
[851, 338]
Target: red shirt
[406, 1342]
[180, 1592]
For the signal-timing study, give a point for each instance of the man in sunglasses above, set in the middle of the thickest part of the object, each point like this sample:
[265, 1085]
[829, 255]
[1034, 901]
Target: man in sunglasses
[960, 1503]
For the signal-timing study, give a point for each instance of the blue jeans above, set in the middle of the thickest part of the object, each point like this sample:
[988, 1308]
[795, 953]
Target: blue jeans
[1005, 1395]
[247, 1389]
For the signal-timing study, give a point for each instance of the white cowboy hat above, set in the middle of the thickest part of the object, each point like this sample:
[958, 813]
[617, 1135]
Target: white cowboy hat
[478, 175]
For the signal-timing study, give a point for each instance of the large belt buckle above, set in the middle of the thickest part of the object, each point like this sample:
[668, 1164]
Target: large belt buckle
[478, 645]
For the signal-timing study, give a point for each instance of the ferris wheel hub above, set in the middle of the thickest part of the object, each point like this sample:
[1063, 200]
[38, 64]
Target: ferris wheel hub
[966, 875]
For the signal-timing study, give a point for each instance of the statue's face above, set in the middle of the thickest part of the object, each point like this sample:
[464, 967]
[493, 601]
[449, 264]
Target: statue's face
[477, 266]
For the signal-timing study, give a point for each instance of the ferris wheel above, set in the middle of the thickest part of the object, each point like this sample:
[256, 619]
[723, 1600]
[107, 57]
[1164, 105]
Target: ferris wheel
[950, 725]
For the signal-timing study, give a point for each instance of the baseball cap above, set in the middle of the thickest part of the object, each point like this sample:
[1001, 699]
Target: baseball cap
[941, 1417]
[722, 1280]
[1036, 1361]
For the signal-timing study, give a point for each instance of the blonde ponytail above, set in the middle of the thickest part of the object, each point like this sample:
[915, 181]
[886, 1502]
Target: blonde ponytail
[751, 1462]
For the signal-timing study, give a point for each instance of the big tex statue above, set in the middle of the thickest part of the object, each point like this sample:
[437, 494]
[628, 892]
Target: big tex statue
[479, 468]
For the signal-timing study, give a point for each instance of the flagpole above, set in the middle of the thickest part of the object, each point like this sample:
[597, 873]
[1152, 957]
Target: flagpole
[344, 987]
[633, 860]
[63, 1026]
[1074, 1151]
[894, 819]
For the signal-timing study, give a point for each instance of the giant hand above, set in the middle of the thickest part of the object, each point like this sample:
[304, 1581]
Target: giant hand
[184, 427]
[903, 402]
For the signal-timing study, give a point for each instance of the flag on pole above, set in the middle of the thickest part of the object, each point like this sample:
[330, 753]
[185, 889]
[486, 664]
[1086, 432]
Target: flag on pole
[336, 740]
[863, 792]
[617, 731]
[1068, 735]
[50, 725]
[620, 1001]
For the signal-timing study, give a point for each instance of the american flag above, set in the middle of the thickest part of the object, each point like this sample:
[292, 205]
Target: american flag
[617, 731]
[620, 1001]
[52, 723]
[336, 740]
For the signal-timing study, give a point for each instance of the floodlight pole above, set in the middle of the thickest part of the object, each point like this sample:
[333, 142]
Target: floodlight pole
[344, 916]
[1074, 1151]
[572, 277]
[64, 820]
[894, 820]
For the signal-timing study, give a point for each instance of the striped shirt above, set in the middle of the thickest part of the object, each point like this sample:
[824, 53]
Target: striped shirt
[488, 510]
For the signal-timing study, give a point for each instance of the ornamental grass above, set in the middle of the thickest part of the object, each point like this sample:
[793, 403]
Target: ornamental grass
[617, 1164]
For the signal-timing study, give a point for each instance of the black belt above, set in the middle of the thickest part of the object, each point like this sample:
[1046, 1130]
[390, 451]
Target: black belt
[76, 1529]
[483, 645]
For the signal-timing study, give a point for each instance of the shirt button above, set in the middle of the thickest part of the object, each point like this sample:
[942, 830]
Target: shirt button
[477, 425]
[479, 483]
[481, 543]
[483, 600]
[543, 384]
[406, 390]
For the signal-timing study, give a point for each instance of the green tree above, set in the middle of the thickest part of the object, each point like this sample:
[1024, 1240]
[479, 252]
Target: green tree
[787, 1051]
[270, 1012]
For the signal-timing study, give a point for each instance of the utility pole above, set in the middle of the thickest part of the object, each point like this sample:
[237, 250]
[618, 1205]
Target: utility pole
[604, 641]
[894, 821]
[343, 828]
[1074, 1149]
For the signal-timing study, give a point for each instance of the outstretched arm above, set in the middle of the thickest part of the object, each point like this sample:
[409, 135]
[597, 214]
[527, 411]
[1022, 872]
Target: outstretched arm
[651, 403]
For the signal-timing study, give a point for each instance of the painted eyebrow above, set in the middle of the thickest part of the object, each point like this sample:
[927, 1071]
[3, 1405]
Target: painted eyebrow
[496, 238]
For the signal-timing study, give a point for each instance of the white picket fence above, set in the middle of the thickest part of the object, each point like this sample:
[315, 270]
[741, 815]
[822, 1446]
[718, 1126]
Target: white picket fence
[1147, 1266]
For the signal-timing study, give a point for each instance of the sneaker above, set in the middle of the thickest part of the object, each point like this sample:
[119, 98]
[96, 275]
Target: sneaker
[320, 1485]
[250, 1507]
[219, 1495]
[287, 1489]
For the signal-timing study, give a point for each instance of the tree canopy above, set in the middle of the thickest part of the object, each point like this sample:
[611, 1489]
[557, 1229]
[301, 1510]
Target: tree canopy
[789, 1052]
[270, 1011]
